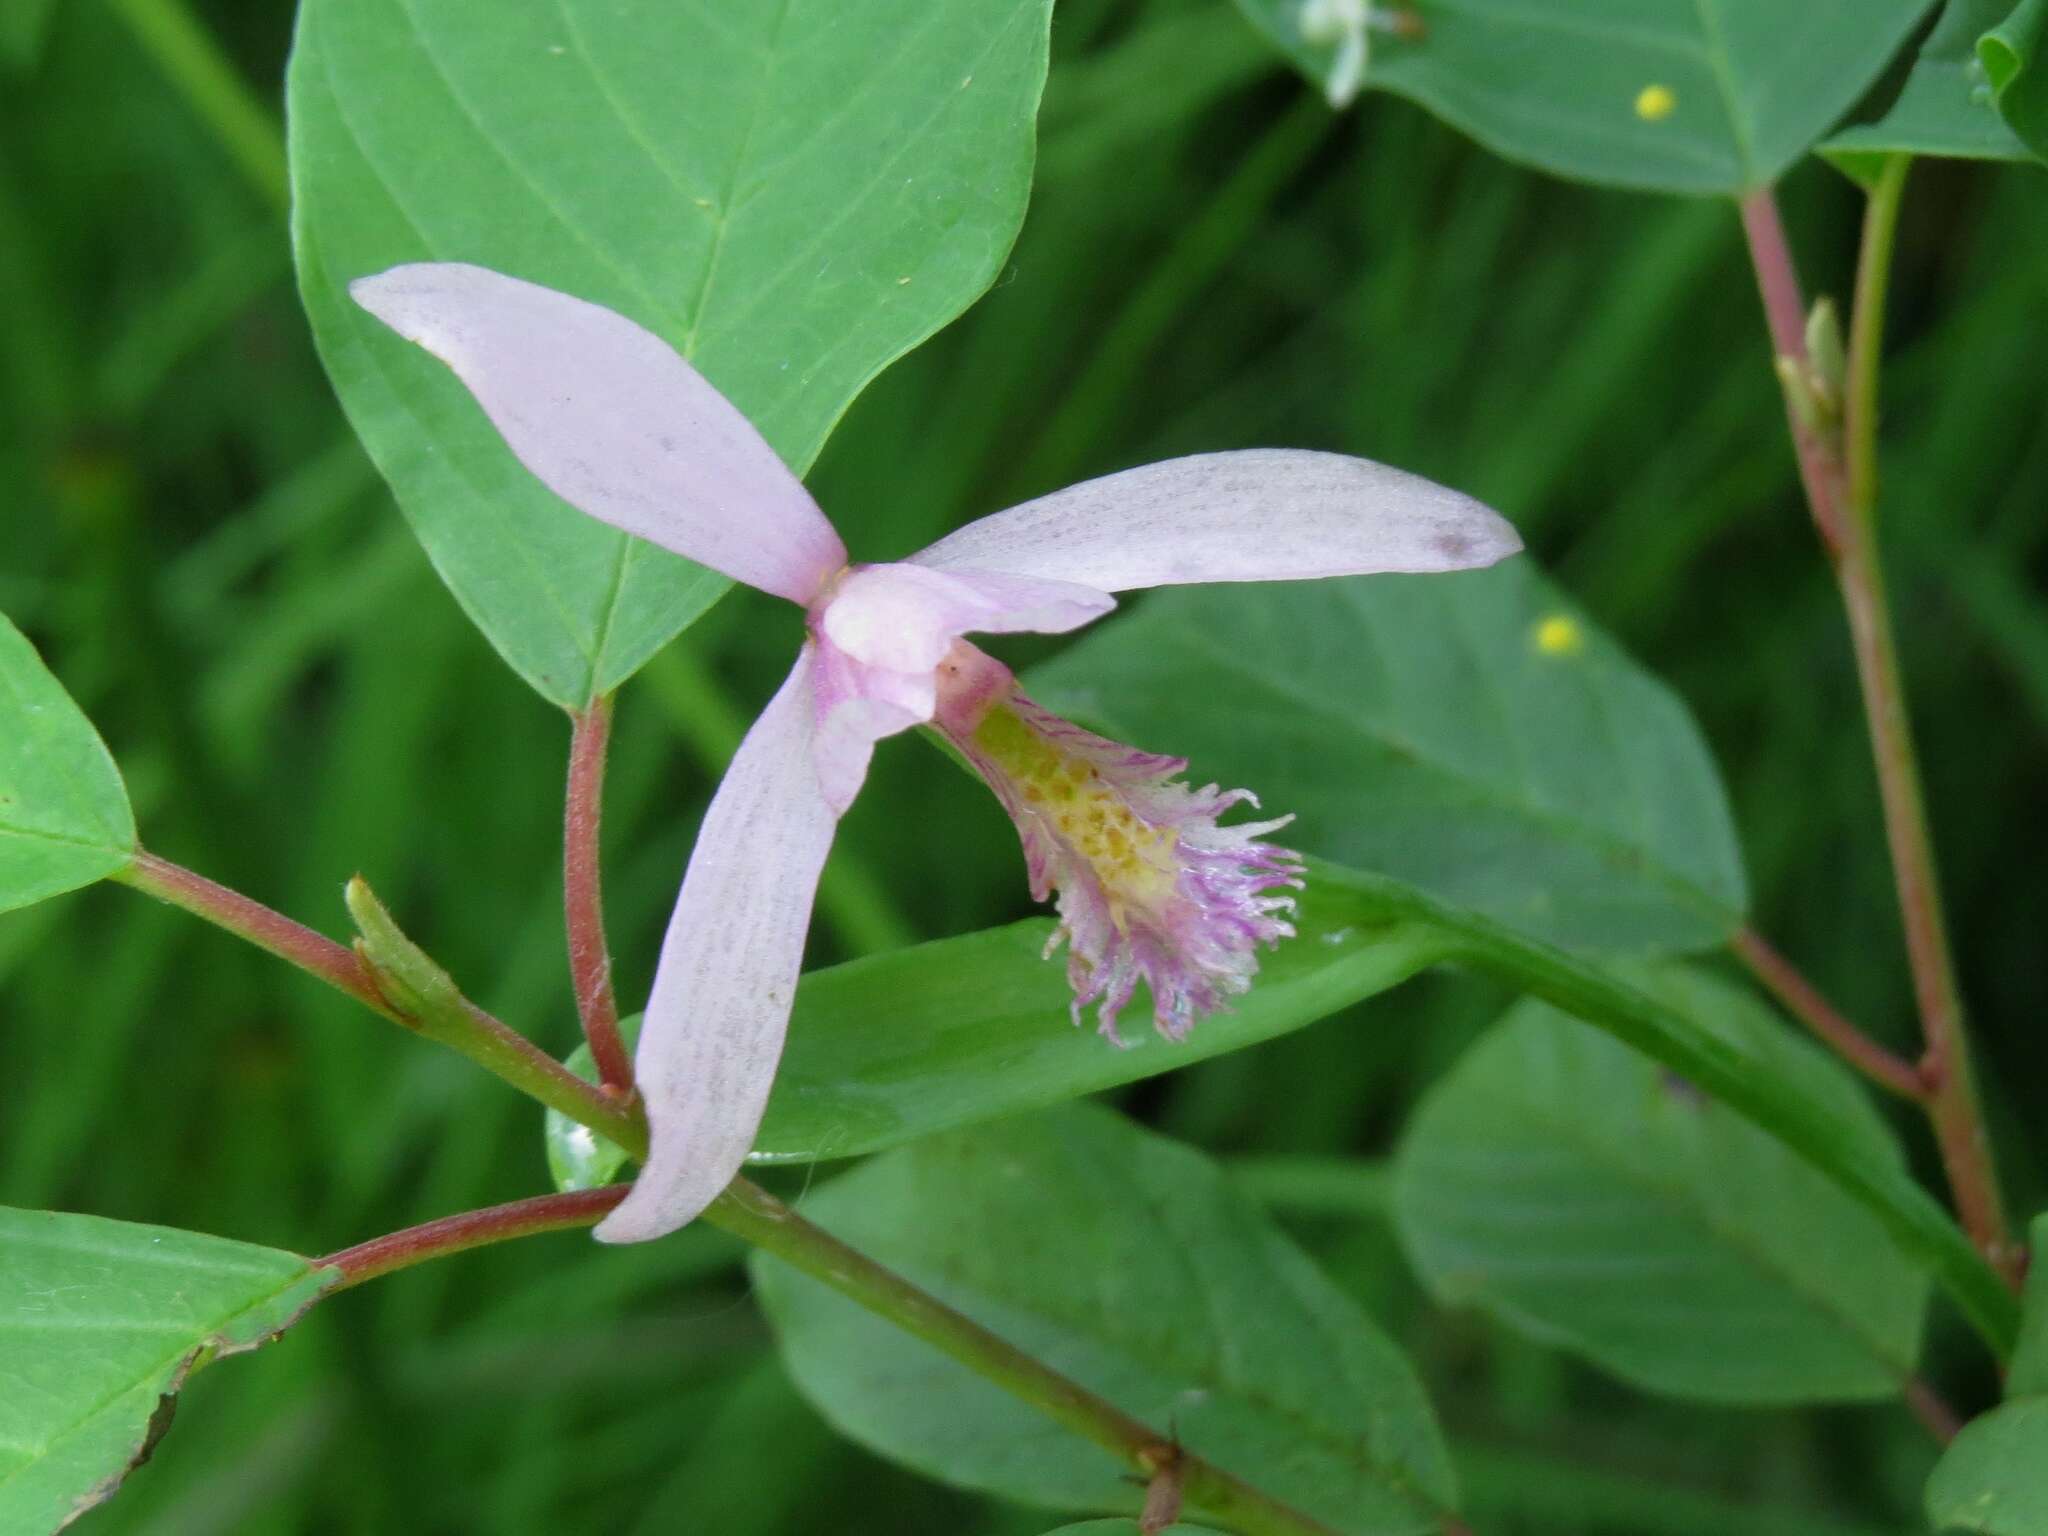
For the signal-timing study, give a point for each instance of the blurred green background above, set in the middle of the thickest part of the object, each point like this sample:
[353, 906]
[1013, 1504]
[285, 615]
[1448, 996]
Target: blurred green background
[1212, 259]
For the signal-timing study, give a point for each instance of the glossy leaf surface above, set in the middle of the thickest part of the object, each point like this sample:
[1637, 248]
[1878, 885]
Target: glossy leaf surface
[1131, 1264]
[1473, 735]
[100, 1323]
[792, 194]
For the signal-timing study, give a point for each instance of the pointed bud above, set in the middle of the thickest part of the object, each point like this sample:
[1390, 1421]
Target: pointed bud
[1826, 361]
[409, 979]
[1815, 415]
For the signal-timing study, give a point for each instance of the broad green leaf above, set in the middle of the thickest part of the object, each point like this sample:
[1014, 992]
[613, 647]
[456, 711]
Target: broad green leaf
[1588, 1197]
[100, 1324]
[1994, 1476]
[1944, 104]
[64, 817]
[794, 194]
[1131, 1264]
[1667, 95]
[1750, 1079]
[895, 1046]
[1471, 734]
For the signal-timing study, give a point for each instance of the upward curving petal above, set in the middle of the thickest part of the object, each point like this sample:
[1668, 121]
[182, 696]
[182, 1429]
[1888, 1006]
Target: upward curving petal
[612, 420]
[1264, 514]
[722, 993]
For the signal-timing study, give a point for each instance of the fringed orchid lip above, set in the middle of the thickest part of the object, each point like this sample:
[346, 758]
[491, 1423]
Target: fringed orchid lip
[615, 422]
[1149, 886]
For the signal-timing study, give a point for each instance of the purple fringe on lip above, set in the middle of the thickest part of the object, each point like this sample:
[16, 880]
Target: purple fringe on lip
[1194, 943]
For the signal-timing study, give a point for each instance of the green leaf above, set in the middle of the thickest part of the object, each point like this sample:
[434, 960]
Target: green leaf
[1589, 1198]
[64, 817]
[1994, 1476]
[100, 1324]
[1943, 106]
[1666, 95]
[1720, 1062]
[793, 194]
[1131, 1264]
[2015, 58]
[888, 1048]
[579, 1158]
[1471, 734]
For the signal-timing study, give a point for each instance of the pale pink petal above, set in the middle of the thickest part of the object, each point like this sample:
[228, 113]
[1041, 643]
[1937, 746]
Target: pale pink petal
[905, 617]
[1265, 514]
[857, 706]
[728, 971]
[613, 421]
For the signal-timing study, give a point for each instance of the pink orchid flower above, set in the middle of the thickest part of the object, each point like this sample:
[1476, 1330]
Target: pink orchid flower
[1150, 887]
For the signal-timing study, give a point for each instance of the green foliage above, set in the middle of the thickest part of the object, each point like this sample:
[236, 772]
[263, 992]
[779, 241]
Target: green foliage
[100, 1324]
[792, 195]
[891, 1047]
[1672, 96]
[64, 817]
[2014, 57]
[1946, 104]
[1474, 735]
[1167, 1293]
[22, 23]
[1589, 1198]
[1994, 1476]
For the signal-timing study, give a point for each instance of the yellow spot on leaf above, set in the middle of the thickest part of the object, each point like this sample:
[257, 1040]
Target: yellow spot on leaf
[1559, 635]
[1654, 103]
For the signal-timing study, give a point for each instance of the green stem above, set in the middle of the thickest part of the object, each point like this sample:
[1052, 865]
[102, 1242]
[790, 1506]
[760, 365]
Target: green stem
[1723, 1069]
[1954, 1109]
[193, 62]
[451, 1020]
[750, 1212]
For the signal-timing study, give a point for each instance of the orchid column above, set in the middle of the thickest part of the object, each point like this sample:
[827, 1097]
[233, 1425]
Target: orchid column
[1150, 887]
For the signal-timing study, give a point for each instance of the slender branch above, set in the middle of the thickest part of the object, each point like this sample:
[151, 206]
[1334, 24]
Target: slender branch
[751, 1213]
[491, 1044]
[1841, 489]
[193, 63]
[336, 964]
[590, 962]
[1956, 1114]
[1777, 279]
[1804, 1002]
[472, 1229]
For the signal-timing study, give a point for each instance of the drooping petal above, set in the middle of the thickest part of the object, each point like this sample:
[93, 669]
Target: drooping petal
[1264, 514]
[612, 420]
[857, 706]
[722, 992]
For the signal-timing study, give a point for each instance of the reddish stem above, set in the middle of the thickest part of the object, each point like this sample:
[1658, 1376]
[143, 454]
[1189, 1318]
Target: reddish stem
[590, 961]
[1843, 497]
[1805, 1003]
[471, 1229]
[336, 964]
[1820, 468]
[1934, 1414]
